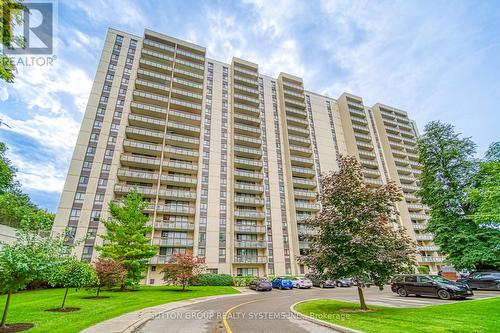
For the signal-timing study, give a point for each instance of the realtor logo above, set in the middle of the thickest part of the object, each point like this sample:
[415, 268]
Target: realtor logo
[34, 27]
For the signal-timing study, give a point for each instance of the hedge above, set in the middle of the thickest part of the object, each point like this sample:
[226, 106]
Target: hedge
[211, 279]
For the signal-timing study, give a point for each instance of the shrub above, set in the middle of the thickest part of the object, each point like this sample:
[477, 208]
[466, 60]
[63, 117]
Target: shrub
[243, 281]
[212, 279]
[423, 269]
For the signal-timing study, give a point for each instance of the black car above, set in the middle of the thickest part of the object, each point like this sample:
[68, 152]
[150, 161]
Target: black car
[431, 285]
[317, 281]
[261, 285]
[346, 282]
[483, 280]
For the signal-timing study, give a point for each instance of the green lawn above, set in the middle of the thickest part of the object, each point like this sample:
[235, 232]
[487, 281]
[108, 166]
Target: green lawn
[463, 316]
[29, 306]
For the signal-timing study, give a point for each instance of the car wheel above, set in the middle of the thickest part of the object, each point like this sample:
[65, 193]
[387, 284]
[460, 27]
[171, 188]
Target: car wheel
[321, 285]
[498, 286]
[338, 284]
[402, 292]
[444, 294]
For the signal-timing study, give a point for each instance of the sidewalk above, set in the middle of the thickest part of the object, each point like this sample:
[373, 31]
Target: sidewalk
[129, 322]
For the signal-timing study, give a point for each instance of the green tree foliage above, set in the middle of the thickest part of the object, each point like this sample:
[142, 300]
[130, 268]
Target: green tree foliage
[11, 15]
[449, 177]
[353, 238]
[7, 171]
[73, 273]
[33, 256]
[484, 195]
[126, 240]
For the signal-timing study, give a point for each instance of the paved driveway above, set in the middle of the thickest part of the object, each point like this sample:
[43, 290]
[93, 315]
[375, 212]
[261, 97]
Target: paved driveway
[270, 311]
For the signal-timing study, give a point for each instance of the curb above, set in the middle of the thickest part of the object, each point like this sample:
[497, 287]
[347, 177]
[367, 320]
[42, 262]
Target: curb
[140, 317]
[335, 327]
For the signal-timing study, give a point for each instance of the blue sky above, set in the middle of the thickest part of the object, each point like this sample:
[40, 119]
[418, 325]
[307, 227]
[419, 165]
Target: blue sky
[435, 59]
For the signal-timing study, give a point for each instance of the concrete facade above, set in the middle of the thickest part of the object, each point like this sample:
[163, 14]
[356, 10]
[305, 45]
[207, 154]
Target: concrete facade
[229, 159]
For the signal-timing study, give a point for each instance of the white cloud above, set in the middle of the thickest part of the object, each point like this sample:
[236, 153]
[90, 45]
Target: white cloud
[4, 94]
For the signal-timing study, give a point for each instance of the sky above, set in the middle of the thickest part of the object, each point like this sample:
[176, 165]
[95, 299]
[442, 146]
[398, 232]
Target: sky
[438, 60]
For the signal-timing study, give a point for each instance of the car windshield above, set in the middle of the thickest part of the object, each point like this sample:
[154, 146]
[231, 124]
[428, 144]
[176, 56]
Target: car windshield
[437, 278]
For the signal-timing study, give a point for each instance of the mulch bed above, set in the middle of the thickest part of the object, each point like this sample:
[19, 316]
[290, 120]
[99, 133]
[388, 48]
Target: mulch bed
[63, 310]
[18, 327]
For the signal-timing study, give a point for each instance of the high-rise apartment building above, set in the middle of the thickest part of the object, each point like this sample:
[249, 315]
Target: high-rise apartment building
[229, 159]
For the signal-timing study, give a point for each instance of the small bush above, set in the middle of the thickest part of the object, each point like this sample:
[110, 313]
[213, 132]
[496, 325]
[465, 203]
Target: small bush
[423, 269]
[211, 279]
[243, 281]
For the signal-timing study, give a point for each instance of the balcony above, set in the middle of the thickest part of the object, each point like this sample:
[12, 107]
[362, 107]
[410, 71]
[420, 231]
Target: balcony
[419, 216]
[148, 110]
[428, 248]
[245, 90]
[369, 163]
[248, 188]
[301, 151]
[247, 109]
[155, 66]
[294, 103]
[419, 226]
[357, 113]
[375, 182]
[240, 98]
[409, 188]
[294, 86]
[180, 128]
[364, 145]
[143, 134]
[247, 120]
[245, 81]
[248, 214]
[367, 154]
[153, 87]
[139, 176]
[293, 94]
[146, 122]
[306, 206]
[148, 192]
[142, 96]
[416, 206]
[140, 162]
[184, 117]
[427, 236]
[177, 180]
[302, 217]
[248, 175]
[250, 244]
[306, 230]
[298, 131]
[159, 260]
[371, 173]
[177, 242]
[249, 229]
[296, 112]
[301, 161]
[246, 163]
[142, 148]
[302, 194]
[410, 197]
[296, 121]
[430, 259]
[174, 226]
[303, 172]
[152, 76]
[359, 121]
[173, 209]
[360, 129]
[299, 140]
[246, 130]
[248, 201]
[363, 137]
[247, 141]
[181, 153]
[189, 75]
[304, 183]
[247, 152]
[178, 166]
[177, 195]
[251, 74]
[184, 106]
[181, 140]
[250, 260]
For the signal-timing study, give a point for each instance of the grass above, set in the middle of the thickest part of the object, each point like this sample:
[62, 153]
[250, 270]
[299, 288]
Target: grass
[464, 316]
[29, 306]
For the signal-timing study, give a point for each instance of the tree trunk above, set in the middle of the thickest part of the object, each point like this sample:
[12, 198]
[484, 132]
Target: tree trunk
[122, 287]
[184, 286]
[362, 299]
[6, 309]
[98, 290]
[64, 299]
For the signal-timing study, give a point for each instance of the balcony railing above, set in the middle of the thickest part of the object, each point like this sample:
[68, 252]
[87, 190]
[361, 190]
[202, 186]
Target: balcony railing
[248, 188]
[182, 226]
[184, 242]
[248, 214]
[249, 229]
[250, 260]
[253, 201]
[427, 236]
[250, 244]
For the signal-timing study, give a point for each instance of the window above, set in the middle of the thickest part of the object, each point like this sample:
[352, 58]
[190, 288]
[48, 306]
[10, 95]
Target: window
[101, 111]
[110, 76]
[99, 197]
[104, 99]
[97, 124]
[95, 215]
[94, 137]
[106, 167]
[153, 268]
[411, 278]
[90, 151]
[87, 166]
[79, 197]
[108, 153]
[102, 182]
[92, 232]
[222, 252]
[87, 250]
[114, 127]
[201, 252]
[75, 213]
[247, 272]
[83, 180]
[213, 271]
[112, 139]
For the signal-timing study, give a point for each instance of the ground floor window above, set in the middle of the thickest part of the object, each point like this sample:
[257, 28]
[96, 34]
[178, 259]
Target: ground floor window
[247, 271]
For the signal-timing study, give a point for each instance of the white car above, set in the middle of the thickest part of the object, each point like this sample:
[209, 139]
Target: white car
[302, 282]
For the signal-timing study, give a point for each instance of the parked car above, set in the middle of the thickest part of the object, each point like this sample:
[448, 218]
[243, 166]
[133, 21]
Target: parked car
[261, 284]
[346, 282]
[301, 282]
[431, 285]
[482, 280]
[282, 283]
[317, 281]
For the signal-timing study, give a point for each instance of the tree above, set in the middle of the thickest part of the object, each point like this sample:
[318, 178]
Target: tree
[484, 194]
[12, 15]
[182, 269]
[110, 273]
[7, 171]
[353, 238]
[32, 256]
[72, 274]
[126, 237]
[448, 182]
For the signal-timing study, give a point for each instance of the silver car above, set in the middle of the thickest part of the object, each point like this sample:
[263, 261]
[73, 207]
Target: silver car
[301, 282]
